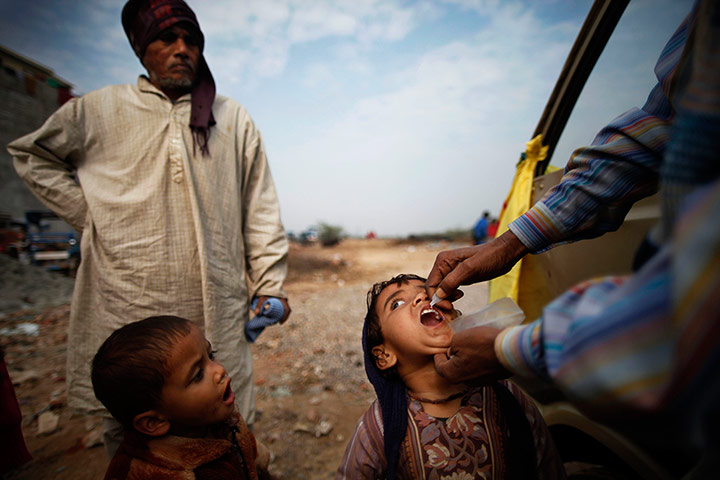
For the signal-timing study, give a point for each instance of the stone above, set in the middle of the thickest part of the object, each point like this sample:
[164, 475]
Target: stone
[312, 415]
[48, 423]
[323, 428]
[93, 438]
[19, 377]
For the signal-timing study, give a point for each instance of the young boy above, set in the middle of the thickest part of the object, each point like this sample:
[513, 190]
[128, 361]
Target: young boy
[157, 377]
[421, 426]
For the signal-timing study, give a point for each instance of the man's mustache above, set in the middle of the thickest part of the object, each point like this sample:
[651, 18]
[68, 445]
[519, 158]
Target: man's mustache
[184, 63]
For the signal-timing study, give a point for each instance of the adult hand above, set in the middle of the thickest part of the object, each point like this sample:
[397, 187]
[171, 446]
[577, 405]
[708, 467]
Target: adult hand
[471, 357]
[286, 306]
[465, 266]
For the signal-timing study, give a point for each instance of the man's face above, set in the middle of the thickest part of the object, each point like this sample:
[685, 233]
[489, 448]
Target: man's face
[197, 389]
[172, 60]
[411, 329]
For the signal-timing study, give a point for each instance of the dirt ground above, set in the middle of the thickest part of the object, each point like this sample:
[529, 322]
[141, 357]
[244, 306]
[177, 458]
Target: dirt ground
[310, 383]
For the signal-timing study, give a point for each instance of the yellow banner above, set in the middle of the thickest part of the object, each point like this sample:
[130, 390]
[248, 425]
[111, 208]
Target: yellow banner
[517, 203]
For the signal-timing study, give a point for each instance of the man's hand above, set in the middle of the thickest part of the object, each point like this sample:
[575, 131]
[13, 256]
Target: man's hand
[465, 266]
[286, 306]
[471, 356]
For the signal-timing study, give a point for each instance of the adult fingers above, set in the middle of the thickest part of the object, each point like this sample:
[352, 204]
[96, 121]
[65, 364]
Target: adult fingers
[447, 366]
[484, 262]
[286, 306]
[259, 305]
[462, 274]
[287, 310]
[445, 263]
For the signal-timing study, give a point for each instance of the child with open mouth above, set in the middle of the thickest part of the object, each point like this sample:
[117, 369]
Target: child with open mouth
[158, 377]
[421, 425]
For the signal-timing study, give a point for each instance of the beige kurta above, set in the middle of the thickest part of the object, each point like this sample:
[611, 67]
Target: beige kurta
[164, 229]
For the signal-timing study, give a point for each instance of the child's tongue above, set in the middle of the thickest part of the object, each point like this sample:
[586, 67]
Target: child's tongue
[430, 318]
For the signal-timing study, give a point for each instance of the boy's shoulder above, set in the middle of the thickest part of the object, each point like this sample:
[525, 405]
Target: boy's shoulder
[171, 456]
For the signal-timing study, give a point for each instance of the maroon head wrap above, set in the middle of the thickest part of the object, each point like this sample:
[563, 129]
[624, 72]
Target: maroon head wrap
[143, 21]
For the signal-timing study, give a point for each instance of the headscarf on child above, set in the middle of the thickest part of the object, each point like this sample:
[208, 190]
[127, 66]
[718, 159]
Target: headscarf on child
[393, 403]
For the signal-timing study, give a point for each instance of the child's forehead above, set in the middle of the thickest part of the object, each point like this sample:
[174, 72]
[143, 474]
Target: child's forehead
[412, 284]
[409, 286]
[181, 345]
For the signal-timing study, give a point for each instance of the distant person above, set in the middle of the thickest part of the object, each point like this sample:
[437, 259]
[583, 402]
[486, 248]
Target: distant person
[639, 352]
[492, 228]
[480, 231]
[422, 426]
[174, 199]
[159, 378]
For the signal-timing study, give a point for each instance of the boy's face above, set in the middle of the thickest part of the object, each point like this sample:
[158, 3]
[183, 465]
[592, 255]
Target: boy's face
[197, 390]
[410, 327]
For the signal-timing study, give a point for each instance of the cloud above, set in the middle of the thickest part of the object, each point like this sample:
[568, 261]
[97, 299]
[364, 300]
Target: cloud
[453, 109]
[315, 22]
[385, 114]
[257, 37]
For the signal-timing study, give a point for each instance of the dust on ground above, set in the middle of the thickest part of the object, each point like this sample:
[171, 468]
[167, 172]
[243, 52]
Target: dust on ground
[310, 382]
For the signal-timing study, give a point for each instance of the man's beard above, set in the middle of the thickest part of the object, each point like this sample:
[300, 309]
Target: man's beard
[182, 83]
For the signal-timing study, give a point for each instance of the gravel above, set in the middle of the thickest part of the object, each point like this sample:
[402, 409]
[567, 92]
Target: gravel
[30, 287]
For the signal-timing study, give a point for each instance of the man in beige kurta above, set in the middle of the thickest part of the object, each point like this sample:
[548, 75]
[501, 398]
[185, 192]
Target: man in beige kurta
[166, 228]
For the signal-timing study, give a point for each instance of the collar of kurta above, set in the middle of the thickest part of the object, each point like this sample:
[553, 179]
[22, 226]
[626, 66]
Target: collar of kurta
[145, 85]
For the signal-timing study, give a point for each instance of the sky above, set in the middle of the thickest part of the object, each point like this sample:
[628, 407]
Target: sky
[393, 116]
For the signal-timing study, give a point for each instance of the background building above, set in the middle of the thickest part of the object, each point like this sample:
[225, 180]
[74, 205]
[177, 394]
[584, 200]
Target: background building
[29, 94]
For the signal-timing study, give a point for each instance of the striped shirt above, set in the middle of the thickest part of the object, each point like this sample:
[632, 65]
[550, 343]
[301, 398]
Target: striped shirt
[649, 344]
[602, 181]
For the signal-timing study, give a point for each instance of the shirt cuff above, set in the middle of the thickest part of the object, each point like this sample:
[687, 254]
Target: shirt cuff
[537, 228]
[519, 350]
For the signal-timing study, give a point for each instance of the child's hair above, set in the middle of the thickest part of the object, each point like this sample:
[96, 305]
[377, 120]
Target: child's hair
[389, 388]
[373, 331]
[129, 369]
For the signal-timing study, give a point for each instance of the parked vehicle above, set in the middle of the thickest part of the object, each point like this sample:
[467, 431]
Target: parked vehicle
[12, 236]
[51, 242]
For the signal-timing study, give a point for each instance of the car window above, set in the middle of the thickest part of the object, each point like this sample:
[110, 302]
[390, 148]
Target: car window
[623, 75]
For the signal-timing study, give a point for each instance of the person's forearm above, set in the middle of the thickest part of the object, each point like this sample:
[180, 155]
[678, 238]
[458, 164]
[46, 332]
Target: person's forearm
[588, 342]
[599, 187]
[518, 349]
[512, 246]
[266, 244]
[603, 180]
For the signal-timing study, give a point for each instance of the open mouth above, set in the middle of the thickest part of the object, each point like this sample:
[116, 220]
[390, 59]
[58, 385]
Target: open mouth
[228, 395]
[430, 317]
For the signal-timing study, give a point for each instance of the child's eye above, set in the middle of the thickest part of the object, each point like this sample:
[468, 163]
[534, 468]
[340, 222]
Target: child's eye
[396, 303]
[199, 375]
[211, 355]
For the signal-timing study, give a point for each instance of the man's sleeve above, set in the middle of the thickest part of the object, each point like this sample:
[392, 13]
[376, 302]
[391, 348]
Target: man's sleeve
[46, 159]
[602, 181]
[653, 338]
[266, 245]
[637, 342]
